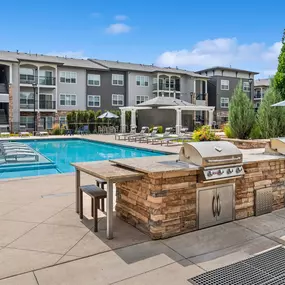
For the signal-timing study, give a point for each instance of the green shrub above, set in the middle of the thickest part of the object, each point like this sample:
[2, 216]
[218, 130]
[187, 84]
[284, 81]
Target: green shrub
[255, 132]
[159, 129]
[228, 132]
[241, 114]
[57, 131]
[204, 134]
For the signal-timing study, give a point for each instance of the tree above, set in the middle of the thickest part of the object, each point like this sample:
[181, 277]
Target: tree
[271, 119]
[279, 78]
[92, 117]
[241, 113]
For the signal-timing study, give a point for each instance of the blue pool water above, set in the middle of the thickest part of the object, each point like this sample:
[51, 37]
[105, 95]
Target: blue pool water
[64, 151]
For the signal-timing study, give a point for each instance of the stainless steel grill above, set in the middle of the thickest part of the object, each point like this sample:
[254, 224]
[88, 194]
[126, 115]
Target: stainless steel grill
[218, 159]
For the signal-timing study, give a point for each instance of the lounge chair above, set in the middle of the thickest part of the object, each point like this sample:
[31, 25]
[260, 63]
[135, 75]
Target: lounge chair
[83, 130]
[4, 134]
[158, 138]
[24, 134]
[41, 131]
[144, 131]
[14, 156]
[125, 135]
[147, 136]
[181, 137]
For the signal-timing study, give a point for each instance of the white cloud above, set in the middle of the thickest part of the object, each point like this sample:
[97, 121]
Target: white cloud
[69, 54]
[121, 17]
[118, 28]
[225, 51]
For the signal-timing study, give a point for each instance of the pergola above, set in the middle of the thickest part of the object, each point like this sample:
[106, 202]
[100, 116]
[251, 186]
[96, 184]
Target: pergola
[177, 108]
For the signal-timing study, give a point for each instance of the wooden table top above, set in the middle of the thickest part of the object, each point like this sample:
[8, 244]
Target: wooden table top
[107, 171]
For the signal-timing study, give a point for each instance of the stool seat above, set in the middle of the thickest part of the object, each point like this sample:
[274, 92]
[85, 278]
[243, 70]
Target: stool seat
[101, 180]
[94, 191]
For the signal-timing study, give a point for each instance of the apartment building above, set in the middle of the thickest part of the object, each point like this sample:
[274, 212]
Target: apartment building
[222, 82]
[58, 85]
[260, 87]
[41, 88]
[144, 82]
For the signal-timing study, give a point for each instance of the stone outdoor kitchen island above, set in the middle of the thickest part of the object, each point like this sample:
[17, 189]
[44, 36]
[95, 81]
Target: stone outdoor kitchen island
[164, 202]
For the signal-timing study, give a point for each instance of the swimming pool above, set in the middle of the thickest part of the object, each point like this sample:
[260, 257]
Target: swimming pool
[61, 152]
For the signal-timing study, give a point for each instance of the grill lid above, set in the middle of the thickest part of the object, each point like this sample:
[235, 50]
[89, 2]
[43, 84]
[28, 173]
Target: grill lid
[210, 153]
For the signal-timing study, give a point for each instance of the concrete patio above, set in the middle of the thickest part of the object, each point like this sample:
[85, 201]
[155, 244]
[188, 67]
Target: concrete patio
[43, 241]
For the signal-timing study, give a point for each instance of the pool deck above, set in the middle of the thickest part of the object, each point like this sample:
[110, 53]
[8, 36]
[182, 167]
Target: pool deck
[43, 241]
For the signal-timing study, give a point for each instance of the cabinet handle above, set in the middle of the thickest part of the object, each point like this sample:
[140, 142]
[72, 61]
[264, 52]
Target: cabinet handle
[219, 205]
[214, 206]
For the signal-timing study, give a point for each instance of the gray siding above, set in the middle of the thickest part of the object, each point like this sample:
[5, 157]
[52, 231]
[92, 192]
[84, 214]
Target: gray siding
[79, 89]
[186, 87]
[106, 89]
[134, 90]
[233, 82]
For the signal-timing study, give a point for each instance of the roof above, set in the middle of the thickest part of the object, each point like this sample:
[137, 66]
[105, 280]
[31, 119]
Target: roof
[164, 101]
[73, 62]
[226, 68]
[262, 82]
[144, 67]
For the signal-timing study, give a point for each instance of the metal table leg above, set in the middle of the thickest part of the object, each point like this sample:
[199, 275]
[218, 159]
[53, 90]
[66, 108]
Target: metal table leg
[77, 186]
[109, 210]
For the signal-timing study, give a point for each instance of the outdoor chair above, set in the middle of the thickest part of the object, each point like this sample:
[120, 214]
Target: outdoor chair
[158, 138]
[100, 130]
[96, 193]
[83, 130]
[125, 135]
[142, 133]
[145, 137]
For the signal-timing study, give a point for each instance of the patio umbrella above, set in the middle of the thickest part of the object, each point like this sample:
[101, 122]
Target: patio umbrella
[279, 104]
[108, 115]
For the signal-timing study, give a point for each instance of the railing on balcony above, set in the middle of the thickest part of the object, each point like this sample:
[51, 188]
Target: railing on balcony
[28, 104]
[201, 96]
[258, 96]
[28, 79]
[47, 105]
[165, 87]
[45, 80]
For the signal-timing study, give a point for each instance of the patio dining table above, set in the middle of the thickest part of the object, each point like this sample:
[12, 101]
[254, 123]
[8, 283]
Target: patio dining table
[109, 172]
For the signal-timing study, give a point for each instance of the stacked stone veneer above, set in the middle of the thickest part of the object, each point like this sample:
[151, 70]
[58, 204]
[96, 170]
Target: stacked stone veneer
[164, 204]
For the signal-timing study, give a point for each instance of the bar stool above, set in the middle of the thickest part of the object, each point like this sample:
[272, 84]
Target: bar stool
[96, 193]
[101, 183]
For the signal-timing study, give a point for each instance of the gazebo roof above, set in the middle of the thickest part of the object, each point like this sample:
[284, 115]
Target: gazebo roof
[164, 101]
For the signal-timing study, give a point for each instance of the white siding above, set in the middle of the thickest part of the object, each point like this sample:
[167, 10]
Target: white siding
[229, 73]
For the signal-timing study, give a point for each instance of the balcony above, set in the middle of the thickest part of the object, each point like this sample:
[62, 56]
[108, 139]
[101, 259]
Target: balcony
[28, 79]
[28, 104]
[258, 96]
[165, 87]
[47, 105]
[49, 81]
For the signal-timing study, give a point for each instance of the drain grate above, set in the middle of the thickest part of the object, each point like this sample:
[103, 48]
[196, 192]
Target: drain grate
[267, 268]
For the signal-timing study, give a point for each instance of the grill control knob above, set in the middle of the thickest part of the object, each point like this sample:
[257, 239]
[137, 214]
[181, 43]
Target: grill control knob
[209, 173]
[230, 171]
[239, 169]
[220, 172]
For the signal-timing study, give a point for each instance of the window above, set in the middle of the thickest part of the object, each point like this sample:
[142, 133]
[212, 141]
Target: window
[62, 121]
[141, 99]
[118, 79]
[142, 81]
[225, 85]
[94, 100]
[68, 77]
[68, 100]
[117, 100]
[224, 102]
[93, 79]
[246, 87]
[48, 122]
[27, 71]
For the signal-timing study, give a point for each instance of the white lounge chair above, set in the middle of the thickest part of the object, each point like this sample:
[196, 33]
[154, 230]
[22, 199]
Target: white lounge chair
[14, 156]
[5, 134]
[144, 131]
[24, 134]
[145, 137]
[158, 138]
[125, 135]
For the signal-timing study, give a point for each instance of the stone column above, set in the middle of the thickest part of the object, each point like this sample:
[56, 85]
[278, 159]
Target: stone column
[38, 121]
[11, 121]
[211, 117]
[56, 118]
[133, 119]
[178, 121]
[123, 121]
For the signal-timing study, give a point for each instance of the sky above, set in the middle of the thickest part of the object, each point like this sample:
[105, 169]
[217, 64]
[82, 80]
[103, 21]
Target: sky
[188, 34]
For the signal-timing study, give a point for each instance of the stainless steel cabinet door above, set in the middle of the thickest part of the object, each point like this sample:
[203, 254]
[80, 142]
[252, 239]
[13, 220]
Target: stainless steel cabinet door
[225, 204]
[207, 207]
